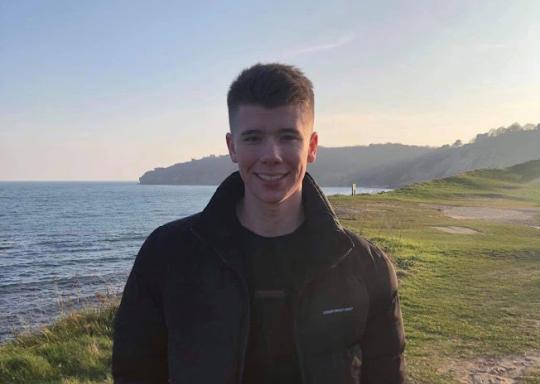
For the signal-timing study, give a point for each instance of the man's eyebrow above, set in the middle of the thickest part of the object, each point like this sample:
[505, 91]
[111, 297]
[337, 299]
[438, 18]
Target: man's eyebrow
[289, 130]
[250, 132]
[255, 131]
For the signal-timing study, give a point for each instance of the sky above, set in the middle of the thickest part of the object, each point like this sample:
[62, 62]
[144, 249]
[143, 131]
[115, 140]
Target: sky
[106, 90]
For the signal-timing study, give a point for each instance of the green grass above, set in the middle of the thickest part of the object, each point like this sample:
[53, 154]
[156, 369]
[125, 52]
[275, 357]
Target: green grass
[462, 296]
[515, 183]
[76, 349]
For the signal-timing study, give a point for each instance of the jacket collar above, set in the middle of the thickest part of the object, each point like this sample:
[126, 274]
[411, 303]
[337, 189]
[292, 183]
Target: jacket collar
[326, 241]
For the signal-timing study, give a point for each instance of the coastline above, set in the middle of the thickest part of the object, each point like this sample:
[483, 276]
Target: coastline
[469, 300]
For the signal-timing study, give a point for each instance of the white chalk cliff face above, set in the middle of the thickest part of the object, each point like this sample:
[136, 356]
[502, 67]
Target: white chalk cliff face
[381, 165]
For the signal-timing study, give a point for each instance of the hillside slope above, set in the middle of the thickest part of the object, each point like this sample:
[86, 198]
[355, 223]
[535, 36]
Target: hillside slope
[499, 148]
[380, 165]
[518, 182]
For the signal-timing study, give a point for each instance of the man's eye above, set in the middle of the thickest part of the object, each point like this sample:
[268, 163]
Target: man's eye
[289, 137]
[251, 139]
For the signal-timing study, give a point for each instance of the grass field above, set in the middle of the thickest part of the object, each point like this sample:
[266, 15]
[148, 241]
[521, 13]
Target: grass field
[470, 301]
[466, 298]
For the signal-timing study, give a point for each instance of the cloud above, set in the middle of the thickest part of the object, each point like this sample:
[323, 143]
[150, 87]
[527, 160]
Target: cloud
[310, 49]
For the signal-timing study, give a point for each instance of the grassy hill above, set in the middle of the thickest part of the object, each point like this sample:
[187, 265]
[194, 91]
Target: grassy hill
[516, 182]
[467, 251]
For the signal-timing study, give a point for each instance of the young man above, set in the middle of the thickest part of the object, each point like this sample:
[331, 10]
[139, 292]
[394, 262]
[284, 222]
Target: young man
[264, 285]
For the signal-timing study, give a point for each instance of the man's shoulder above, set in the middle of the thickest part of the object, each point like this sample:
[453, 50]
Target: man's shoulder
[167, 239]
[373, 264]
[175, 228]
[366, 250]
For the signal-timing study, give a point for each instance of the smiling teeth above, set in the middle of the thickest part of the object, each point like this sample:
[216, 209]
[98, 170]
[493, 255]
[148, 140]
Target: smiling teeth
[270, 177]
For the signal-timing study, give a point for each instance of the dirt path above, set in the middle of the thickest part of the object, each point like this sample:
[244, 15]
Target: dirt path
[505, 370]
[522, 215]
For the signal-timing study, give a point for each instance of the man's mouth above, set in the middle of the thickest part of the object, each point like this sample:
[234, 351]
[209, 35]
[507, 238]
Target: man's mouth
[270, 176]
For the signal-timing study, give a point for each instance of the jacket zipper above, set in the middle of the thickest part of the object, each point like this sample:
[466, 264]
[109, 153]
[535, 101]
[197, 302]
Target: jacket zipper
[248, 305]
[295, 313]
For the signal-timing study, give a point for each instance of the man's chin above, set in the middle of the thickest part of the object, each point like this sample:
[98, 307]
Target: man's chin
[273, 199]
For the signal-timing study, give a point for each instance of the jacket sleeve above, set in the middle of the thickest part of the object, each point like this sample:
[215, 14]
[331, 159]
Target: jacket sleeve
[384, 341]
[139, 334]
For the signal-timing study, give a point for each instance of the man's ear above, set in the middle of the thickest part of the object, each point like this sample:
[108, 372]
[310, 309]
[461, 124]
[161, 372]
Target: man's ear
[312, 150]
[230, 146]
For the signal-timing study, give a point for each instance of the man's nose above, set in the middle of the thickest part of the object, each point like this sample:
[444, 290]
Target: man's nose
[271, 152]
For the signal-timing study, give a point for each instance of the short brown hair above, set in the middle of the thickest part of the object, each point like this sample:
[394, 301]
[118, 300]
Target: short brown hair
[271, 85]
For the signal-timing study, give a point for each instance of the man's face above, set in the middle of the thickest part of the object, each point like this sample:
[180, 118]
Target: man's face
[272, 147]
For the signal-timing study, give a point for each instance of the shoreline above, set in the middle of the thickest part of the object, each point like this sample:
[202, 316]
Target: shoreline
[64, 310]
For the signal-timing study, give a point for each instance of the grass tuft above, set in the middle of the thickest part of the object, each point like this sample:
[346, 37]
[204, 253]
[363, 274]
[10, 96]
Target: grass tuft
[76, 349]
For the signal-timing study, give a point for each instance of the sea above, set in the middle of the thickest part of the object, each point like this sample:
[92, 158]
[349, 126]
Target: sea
[66, 245]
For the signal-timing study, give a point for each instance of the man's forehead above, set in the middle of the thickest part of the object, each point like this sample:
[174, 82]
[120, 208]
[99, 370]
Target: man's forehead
[256, 109]
[290, 116]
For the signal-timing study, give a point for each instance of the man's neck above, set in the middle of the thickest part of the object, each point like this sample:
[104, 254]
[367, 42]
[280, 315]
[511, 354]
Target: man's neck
[271, 220]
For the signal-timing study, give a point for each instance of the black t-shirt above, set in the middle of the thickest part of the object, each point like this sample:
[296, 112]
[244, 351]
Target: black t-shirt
[271, 353]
